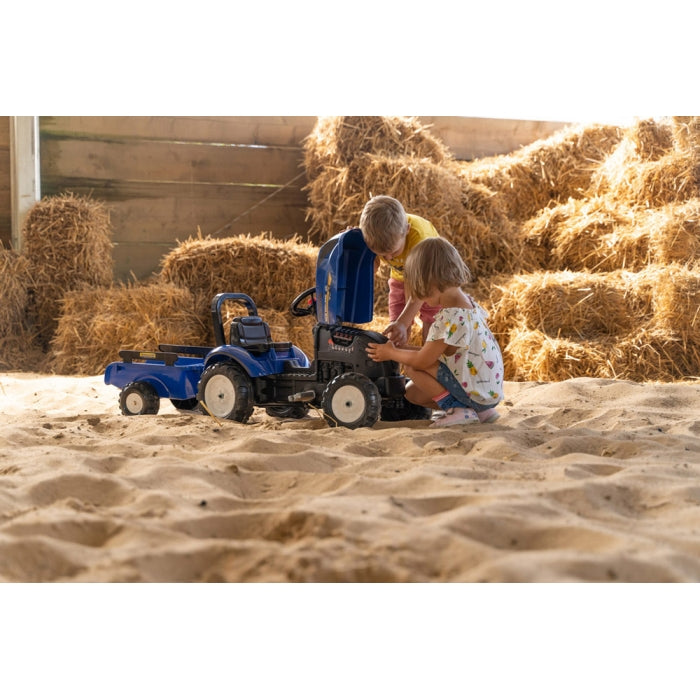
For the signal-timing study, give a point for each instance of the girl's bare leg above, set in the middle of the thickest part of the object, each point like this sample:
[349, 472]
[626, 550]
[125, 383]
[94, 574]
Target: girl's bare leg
[423, 386]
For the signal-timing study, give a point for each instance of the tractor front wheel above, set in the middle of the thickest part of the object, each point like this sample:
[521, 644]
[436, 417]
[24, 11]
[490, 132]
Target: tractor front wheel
[351, 400]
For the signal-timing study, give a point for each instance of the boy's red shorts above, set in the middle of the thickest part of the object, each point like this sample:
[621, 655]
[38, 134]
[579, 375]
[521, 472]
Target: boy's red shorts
[397, 301]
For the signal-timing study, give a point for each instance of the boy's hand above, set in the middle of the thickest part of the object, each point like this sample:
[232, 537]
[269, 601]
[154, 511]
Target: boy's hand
[397, 333]
[379, 351]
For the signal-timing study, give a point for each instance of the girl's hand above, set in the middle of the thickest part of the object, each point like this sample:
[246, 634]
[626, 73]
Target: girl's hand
[380, 351]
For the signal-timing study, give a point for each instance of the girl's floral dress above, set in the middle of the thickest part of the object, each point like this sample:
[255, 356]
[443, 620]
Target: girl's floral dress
[478, 363]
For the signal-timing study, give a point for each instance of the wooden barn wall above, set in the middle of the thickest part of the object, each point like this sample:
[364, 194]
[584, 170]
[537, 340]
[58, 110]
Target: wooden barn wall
[5, 199]
[166, 178]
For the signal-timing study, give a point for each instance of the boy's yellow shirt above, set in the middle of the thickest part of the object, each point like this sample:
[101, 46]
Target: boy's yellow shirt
[419, 229]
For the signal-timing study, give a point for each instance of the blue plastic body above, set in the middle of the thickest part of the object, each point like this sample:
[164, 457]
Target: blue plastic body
[177, 381]
[272, 361]
[345, 279]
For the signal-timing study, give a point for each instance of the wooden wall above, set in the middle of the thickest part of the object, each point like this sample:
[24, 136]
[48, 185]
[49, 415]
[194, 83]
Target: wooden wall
[5, 199]
[166, 177]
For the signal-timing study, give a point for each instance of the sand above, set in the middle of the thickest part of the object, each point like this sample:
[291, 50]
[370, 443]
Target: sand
[587, 480]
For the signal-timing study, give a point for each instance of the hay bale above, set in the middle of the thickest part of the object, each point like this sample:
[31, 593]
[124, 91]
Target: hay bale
[674, 232]
[602, 234]
[272, 272]
[650, 176]
[576, 305]
[335, 142]
[96, 323]
[676, 302]
[585, 234]
[67, 244]
[14, 283]
[381, 291]
[532, 355]
[653, 355]
[651, 138]
[19, 349]
[301, 333]
[547, 171]
[686, 134]
[335, 204]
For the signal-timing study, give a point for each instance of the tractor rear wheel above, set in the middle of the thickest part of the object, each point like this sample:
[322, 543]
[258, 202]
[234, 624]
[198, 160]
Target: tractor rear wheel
[226, 392]
[351, 400]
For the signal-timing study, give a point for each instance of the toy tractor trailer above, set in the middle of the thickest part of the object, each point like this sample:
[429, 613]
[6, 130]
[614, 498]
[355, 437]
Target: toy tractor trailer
[246, 368]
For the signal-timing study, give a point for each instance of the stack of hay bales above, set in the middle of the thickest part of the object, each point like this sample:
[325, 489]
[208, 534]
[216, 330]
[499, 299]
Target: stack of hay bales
[350, 159]
[339, 152]
[550, 170]
[622, 258]
[67, 244]
[584, 245]
[602, 233]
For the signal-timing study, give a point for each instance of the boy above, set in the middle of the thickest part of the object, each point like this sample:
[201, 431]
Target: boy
[390, 233]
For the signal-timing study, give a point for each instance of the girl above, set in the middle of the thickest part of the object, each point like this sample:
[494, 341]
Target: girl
[460, 367]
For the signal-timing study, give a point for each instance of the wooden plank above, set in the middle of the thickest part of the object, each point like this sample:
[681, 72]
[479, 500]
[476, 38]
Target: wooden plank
[163, 220]
[4, 132]
[6, 229]
[241, 196]
[5, 193]
[138, 259]
[153, 207]
[4, 170]
[469, 138]
[5, 178]
[269, 131]
[157, 160]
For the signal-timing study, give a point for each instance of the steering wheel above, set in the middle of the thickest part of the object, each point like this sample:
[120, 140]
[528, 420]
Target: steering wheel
[295, 307]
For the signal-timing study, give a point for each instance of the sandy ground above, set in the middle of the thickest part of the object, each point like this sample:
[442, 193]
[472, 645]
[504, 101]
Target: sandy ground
[584, 480]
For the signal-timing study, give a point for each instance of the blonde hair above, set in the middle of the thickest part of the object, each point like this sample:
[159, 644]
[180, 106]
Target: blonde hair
[383, 222]
[434, 263]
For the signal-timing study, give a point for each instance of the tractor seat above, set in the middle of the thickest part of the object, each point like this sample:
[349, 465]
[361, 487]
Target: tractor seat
[251, 333]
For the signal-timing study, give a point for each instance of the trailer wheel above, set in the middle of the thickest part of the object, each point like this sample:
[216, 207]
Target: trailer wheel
[226, 392]
[292, 411]
[139, 398]
[351, 400]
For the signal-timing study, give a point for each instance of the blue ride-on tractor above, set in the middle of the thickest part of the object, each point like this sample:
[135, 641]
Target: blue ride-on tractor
[246, 368]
